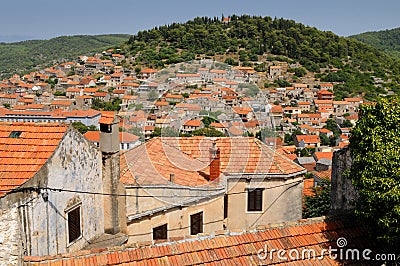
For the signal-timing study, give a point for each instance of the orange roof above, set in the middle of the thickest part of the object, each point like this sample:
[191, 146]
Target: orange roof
[73, 90]
[325, 130]
[323, 155]
[192, 123]
[308, 138]
[94, 136]
[323, 102]
[148, 71]
[107, 118]
[24, 148]
[276, 109]
[326, 85]
[325, 92]
[188, 159]
[303, 103]
[236, 248]
[59, 102]
[308, 189]
[242, 110]
[90, 90]
[161, 103]
[100, 94]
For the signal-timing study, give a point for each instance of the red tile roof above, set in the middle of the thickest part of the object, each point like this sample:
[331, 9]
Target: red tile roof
[242, 248]
[318, 155]
[21, 157]
[192, 123]
[94, 136]
[308, 138]
[188, 159]
[308, 189]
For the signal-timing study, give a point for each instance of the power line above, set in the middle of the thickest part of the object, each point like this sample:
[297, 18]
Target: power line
[140, 196]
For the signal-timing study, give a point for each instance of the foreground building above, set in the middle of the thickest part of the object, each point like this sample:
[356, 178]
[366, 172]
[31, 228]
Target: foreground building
[187, 186]
[43, 167]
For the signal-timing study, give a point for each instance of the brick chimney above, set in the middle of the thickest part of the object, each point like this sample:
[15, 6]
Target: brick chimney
[114, 204]
[215, 162]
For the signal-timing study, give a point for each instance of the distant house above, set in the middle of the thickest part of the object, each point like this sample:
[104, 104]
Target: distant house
[127, 140]
[191, 125]
[306, 141]
[324, 95]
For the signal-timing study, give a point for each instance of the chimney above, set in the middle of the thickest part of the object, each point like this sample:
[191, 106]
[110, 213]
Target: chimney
[114, 204]
[214, 162]
[172, 177]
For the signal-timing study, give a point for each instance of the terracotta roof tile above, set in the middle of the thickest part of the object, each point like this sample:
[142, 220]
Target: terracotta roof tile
[188, 159]
[23, 155]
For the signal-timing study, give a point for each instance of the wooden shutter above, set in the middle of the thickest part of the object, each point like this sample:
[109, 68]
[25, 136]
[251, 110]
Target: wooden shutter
[74, 224]
[254, 199]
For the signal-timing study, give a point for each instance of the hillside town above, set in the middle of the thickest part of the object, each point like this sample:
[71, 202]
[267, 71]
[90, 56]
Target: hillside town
[151, 159]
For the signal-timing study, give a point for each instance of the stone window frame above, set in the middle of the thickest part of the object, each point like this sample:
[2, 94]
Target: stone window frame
[67, 211]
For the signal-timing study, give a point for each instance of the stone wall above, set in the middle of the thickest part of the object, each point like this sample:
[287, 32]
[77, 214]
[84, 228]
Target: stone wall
[10, 242]
[343, 194]
[74, 167]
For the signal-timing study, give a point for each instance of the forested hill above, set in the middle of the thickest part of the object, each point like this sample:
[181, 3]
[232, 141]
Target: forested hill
[385, 40]
[251, 39]
[24, 56]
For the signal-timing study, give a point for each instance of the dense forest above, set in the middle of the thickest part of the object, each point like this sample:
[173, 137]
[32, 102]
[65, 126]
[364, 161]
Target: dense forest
[385, 40]
[249, 39]
[24, 56]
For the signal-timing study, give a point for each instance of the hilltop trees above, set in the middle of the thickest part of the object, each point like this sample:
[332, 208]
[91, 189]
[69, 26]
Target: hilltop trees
[247, 38]
[375, 148]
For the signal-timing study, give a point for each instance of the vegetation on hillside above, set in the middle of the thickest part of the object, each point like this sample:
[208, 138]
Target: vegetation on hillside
[387, 41]
[375, 149]
[25, 56]
[254, 40]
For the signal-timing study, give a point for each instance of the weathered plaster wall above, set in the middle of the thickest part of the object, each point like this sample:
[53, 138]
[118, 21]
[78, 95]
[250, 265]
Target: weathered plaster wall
[10, 237]
[282, 202]
[178, 220]
[74, 166]
[146, 198]
[343, 194]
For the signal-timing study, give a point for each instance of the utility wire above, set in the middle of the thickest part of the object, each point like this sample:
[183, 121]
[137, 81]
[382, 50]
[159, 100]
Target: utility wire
[140, 196]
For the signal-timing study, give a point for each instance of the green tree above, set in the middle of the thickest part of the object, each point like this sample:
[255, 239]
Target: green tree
[375, 150]
[346, 123]
[320, 203]
[207, 120]
[208, 132]
[82, 128]
[325, 141]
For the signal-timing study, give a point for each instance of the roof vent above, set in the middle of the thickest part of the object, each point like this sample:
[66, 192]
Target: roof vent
[15, 134]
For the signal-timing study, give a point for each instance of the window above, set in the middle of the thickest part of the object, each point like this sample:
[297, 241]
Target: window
[15, 134]
[160, 232]
[74, 224]
[254, 199]
[196, 223]
[225, 206]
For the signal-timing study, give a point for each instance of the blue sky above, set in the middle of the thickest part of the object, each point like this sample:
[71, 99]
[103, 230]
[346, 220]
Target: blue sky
[43, 19]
